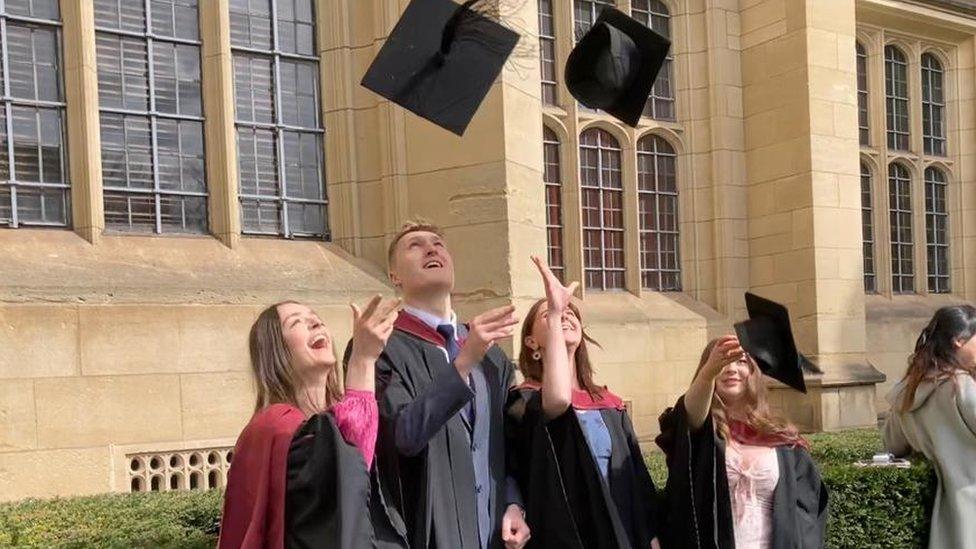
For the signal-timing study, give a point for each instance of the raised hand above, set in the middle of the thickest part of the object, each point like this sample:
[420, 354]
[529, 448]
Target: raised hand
[371, 328]
[484, 331]
[557, 295]
[726, 351]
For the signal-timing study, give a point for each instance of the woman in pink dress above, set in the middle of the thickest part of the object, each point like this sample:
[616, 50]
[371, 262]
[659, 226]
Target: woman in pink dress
[738, 476]
[299, 475]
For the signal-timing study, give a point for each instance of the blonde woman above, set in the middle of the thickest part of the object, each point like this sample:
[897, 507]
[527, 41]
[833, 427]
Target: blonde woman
[738, 476]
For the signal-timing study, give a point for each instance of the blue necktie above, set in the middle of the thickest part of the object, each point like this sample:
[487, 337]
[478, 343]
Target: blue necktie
[452, 348]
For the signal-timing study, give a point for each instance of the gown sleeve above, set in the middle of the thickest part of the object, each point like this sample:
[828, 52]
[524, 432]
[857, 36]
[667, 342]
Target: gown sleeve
[811, 501]
[357, 417]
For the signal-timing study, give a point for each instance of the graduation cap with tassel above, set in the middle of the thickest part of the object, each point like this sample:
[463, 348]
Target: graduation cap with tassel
[440, 60]
[768, 337]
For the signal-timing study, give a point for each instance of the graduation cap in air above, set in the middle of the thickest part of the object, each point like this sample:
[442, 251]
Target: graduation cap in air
[440, 61]
[614, 65]
[768, 338]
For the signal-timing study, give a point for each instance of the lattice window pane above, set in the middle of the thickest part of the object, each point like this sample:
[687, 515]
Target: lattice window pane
[900, 219]
[937, 231]
[37, 9]
[654, 14]
[867, 231]
[299, 94]
[123, 72]
[296, 27]
[658, 214]
[863, 114]
[279, 122]
[933, 106]
[125, 15]
[547, 52]
[176, 70]
[600, 180]
[34, 190]
[250, 24]
[151, 107]
[896, 98]
[553, 186]
[254, 89]
[176, 18]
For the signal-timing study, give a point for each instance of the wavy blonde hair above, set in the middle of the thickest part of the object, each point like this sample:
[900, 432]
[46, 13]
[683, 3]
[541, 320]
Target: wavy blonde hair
[758, 414]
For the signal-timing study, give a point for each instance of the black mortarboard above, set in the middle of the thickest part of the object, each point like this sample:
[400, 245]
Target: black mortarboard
[440, 60]
[614, 65]
[768, 338]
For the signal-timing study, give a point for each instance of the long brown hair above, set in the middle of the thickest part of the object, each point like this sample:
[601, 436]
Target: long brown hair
[934, 357]
[275, 378]
[531, 368]
[758, 414]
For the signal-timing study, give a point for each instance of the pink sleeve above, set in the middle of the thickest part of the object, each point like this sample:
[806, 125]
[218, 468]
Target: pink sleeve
[357, 416]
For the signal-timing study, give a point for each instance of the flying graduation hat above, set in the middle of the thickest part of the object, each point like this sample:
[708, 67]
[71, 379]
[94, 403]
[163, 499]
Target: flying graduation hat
[440, 61]
[768, 338]
[614, 65]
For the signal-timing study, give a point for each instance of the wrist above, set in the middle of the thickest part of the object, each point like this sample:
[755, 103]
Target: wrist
[517, 507]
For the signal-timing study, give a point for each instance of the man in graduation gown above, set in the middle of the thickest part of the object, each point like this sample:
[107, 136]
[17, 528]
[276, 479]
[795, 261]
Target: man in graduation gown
[441, 388]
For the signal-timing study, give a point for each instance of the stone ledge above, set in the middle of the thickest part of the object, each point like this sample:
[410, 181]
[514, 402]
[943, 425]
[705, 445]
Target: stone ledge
[58, 266]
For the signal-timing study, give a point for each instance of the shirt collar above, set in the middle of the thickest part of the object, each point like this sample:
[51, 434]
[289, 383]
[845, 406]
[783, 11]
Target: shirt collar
[430, 319]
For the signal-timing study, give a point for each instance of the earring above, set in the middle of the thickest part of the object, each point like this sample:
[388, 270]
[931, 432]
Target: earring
[536, 355]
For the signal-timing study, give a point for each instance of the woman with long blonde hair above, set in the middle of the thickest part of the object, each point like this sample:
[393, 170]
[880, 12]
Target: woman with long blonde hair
[933, 411]
[299, 474]
[738, 476]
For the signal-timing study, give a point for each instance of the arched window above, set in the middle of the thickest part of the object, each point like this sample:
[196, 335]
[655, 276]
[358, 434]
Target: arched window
[654, 14]
[902, 245]
[863, 121]
[603, 221]
[937, 230]
[657, 203]
[585, 13]
[547, 52]
[867, 231]
[554, 203]
[896, 98]
[933, 106]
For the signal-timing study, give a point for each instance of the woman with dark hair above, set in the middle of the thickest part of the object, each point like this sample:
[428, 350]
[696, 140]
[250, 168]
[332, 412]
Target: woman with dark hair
[571, 444]
[933, 411]
[738, 476]
[299, 472]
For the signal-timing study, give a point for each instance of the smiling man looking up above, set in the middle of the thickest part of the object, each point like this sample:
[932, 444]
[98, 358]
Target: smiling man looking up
[441, 388]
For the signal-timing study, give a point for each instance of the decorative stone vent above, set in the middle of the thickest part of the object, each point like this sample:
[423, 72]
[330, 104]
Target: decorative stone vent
[192, 469]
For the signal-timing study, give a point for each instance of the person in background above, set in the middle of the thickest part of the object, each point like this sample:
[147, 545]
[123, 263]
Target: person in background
[933, 411]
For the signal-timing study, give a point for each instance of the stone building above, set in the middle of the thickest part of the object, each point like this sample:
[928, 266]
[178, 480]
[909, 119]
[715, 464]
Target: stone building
[171, 167]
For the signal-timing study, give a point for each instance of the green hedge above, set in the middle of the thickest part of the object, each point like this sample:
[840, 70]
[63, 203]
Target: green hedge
[869, 508]
[188, 520]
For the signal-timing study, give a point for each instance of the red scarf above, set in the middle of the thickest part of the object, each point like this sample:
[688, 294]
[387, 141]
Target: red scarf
[743, 433]
[583, 400]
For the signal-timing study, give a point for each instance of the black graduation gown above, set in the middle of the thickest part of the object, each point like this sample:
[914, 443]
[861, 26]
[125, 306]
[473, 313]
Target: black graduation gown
[430, 497]
[697, 509]
[328, 493]
[567, 502]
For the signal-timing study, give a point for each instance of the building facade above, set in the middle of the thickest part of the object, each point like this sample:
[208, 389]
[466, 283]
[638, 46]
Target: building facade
[190, 162]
